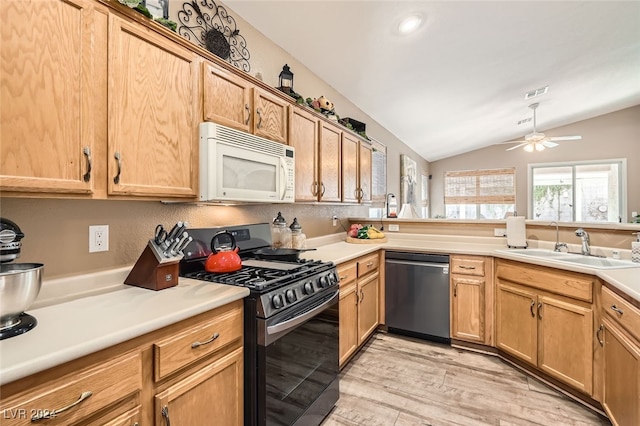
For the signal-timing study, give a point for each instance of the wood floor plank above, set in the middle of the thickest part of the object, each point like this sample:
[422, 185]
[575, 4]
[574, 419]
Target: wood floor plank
[400, 381]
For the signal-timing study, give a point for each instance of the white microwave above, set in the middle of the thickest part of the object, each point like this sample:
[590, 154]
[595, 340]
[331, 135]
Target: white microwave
[237, 166]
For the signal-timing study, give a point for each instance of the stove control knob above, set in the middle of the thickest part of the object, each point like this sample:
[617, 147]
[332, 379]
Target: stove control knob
[333, 278]
[290, 295]
[277, 301]
[323, 282]
[308, 288]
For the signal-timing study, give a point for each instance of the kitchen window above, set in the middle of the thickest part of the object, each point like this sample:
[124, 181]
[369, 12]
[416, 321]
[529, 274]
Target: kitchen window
[585, 191]
[480, 194]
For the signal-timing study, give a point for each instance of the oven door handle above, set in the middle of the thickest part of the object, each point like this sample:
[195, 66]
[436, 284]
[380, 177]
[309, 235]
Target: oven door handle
[286, 325]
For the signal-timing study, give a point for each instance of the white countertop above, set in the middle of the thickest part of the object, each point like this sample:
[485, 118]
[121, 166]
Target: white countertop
[84, 314]
[78, 327]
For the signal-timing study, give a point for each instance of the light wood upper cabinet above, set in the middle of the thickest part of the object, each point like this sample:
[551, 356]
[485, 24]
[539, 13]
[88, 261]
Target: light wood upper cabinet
[330, 163]
[350, 184]
[153, 113]
[303, 137]
[233, 101]
[227, 98]
[270, 116]
[364, 172]
[47, 96]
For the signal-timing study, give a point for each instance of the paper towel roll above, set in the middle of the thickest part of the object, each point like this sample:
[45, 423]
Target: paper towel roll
[516, 232]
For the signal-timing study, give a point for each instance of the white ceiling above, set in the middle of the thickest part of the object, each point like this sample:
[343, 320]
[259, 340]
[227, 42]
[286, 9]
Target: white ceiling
[458, 84]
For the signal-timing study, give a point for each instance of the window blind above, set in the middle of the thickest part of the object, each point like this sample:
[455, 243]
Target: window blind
[490, 186]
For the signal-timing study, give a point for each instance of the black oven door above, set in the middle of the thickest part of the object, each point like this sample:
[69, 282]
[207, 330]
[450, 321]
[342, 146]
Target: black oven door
[298, 353]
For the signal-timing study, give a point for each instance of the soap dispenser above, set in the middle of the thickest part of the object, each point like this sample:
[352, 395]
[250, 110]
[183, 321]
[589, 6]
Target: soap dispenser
[635, 248]
[392, 206]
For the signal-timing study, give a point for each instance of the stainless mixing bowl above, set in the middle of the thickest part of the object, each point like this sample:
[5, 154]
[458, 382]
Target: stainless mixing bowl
[19, 286]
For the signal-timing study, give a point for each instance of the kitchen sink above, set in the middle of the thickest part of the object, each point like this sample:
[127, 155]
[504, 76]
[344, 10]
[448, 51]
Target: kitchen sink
[574, 258]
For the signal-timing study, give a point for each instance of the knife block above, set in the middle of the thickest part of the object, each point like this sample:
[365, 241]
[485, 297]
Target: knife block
[154, 271]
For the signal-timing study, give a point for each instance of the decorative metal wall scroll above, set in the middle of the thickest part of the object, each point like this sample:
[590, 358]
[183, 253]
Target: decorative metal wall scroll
[209, 25]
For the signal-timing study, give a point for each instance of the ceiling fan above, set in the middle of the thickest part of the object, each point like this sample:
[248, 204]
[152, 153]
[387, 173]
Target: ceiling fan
[537, 141]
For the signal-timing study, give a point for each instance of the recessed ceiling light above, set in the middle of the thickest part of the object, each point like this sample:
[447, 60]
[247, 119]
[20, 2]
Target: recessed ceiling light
[410, 24]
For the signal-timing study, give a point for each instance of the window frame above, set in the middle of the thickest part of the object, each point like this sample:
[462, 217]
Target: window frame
[622, 181]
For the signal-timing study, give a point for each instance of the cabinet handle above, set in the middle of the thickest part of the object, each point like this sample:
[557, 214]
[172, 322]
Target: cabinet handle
[322, 193]
[466, 267]
[343, 277]
[87, 153]
[165, 415]
[46, 414]
[455, 290]
[314, 188]
[246, 107]
[598, 334]
[616, 309]
[539, 310]
[116, 179]
[206, 342]
[369, 264]
[260, 118]
[533, 303]
[361, 296]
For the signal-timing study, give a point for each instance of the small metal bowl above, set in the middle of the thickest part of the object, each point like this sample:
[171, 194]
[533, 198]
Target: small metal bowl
[19, 286]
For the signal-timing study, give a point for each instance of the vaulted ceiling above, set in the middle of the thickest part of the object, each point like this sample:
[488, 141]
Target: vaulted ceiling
[459, 82]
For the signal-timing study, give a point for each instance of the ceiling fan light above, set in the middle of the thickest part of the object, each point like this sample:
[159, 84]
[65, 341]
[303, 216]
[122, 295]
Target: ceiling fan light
[410, 24]
[528, 147]
[539, 146]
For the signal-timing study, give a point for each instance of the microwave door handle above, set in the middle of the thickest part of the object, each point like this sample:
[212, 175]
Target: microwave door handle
[283, 172]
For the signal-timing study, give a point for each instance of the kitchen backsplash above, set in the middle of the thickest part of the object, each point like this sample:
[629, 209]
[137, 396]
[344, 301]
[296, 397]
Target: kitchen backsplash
[57, 231]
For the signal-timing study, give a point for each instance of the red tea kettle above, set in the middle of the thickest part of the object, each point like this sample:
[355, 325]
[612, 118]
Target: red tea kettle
[225, 258]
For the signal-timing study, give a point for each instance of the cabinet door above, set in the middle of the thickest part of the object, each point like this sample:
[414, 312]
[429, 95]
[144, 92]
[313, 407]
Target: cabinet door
[621, 399]
[303, 137]
[516, 323]
[565, 342]
[350, 193]
[153, 119]
[348, 322]
[212, 394]
[329, 164]
[368, 294]
[364, 166]
[47, 96]
[467, 308]
[227, 98]
[270, 119]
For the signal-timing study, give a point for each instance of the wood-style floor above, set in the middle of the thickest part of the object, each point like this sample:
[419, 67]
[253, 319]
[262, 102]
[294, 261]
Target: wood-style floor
[400, 381]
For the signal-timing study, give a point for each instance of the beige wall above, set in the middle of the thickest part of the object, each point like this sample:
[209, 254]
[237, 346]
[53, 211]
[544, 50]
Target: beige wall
[610, 136]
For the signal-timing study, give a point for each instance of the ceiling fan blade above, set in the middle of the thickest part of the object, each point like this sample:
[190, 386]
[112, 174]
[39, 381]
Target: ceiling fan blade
[565, 138]
[521, 141]
[517, 146]
[549, 144]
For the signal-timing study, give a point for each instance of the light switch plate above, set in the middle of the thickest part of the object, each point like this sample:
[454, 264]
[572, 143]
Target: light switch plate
[500, 232]
[394, 228]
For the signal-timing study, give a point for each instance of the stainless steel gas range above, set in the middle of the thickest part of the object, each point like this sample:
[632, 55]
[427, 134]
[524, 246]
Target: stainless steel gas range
[291, 328]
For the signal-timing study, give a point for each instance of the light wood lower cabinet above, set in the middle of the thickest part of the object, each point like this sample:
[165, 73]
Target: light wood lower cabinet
[472, 299]
[192, 371]
[537, 323]
[619, 340]
[359, 303]
[213, 393]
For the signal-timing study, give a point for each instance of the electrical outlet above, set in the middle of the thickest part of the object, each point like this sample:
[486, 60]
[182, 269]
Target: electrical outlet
[394, 228]
[334, 220]
[499, 232]
[98, 238]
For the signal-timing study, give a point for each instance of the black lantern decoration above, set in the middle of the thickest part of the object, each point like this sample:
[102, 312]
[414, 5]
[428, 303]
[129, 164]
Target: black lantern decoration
[286, 80]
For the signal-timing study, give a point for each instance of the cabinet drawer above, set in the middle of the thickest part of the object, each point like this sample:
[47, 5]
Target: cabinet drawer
[625, 314]
[347, 273]
[468, 265]
[367, 264]
[574, 285]
[76, 397]
[175, 352]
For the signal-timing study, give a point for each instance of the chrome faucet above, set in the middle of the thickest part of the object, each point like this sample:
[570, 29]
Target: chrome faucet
[584, 236]
[558, 245]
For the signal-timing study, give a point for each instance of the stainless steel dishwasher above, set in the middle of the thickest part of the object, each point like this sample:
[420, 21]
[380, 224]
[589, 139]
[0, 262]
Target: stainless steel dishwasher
[417, 295]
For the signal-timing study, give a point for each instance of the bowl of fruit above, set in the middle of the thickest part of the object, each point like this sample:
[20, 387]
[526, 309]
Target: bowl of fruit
[365, 234]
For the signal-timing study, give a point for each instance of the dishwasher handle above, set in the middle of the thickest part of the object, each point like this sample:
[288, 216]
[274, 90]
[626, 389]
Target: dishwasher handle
[444, 266]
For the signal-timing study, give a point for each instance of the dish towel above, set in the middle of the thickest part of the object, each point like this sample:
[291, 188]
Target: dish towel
[516, 232]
